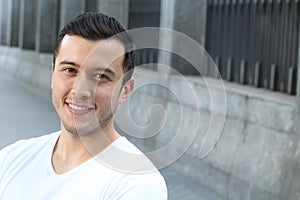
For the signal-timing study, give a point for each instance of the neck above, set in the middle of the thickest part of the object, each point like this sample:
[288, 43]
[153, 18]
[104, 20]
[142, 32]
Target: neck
[72, 149]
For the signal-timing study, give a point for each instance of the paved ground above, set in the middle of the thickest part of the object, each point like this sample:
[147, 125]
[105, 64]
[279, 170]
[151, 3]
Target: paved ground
[25, 115]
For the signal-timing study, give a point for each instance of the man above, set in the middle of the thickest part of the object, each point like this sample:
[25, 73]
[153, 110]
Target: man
[87, 159]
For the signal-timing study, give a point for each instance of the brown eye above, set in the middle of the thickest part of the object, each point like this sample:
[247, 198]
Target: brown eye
[70, 70]
[102, 76]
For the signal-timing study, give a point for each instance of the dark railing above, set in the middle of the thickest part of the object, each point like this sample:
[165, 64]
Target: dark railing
[22, 26]
[255, 42]
[145, 13]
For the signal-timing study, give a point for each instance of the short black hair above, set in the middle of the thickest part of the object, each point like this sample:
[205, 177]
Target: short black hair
[97, 26]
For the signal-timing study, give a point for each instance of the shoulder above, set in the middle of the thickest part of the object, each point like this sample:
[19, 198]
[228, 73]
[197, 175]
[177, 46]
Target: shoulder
[24, 144]
[145, 186]
[125, 157]
[136, 176]
[24, 148]
[125, 145]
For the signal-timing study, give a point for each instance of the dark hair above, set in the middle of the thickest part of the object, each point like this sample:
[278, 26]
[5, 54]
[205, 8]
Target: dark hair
[97, 26]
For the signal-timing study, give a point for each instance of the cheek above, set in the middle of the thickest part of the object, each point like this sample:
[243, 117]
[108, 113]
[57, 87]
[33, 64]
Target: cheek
[56, 95]
[106, 98]
[61, 80]
[102, 97]
[60, 88]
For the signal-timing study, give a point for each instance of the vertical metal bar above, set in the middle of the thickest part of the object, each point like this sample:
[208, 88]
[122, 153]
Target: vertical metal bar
[289, 29]
[257, 74]
[38, 31]
[237, 40]
[278, 37]
[260, 43]
[272, 33]
[21, 24]
[297, 48]
[261, 20]
[1, 17]
[277, 50]
[9, 22]
[285, 50]
[214, 30]
[268, 33]
[137, 57]
[233, 30]
[234, 42]
[295, 30]
[151, 59]
[15, 23]
[225, 44]
[291, 88]
[145, 56]
[273, 78]
[218, 23]
[208, 27]
[257, 29]
[229, 69]
[282, 47]
[222, 28]
[216, 72]
[245, 29]
[4, 22]
[248, 42]
[242, 72]
[252, 39]
[267, 38]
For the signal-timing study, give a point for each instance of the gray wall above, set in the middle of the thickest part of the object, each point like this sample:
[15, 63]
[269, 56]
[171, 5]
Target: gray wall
[257, 155]
[117, 8]
[31, 68]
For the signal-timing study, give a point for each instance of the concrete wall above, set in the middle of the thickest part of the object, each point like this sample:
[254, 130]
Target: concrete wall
[117, 8]
[176, 15]
[257, 155]
[31, 68]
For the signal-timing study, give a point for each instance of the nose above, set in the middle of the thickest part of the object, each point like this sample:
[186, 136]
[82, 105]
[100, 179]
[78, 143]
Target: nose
[82, 89]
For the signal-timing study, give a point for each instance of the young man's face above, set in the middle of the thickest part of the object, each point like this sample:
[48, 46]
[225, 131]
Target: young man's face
[87, 83]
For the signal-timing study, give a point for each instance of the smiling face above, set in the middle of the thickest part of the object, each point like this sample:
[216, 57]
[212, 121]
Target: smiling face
[87, 83]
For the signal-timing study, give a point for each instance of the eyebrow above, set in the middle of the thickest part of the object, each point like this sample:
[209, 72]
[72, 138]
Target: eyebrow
[105, 69]
[65, 62]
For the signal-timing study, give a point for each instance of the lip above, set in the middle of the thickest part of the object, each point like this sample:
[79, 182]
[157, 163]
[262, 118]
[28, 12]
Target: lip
[82, 109]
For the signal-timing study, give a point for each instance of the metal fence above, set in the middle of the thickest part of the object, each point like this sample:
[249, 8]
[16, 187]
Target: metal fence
[145, 13]
[34, 24]
[255, 42]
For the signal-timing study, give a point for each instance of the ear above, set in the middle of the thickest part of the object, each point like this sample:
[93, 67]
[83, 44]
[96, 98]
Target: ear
[126, 91]
[53, 67]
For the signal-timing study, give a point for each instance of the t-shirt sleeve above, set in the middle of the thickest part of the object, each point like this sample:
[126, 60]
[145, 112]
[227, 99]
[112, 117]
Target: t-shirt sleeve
[3, 155]
[1, 162]
[7, 155]
[3, 159]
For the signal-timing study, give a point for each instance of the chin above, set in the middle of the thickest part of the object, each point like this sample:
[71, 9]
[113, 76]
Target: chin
[86, 129]
[78, 130]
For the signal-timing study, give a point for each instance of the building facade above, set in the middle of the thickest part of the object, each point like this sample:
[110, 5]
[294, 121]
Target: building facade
[254, 133]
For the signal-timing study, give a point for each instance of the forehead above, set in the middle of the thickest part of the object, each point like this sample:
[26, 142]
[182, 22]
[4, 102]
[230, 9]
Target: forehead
[86, 52]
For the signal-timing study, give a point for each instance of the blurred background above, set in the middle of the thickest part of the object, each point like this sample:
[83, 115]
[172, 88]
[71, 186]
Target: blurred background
[255, 46]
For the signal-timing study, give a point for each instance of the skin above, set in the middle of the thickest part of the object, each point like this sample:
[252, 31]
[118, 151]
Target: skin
[86, 90]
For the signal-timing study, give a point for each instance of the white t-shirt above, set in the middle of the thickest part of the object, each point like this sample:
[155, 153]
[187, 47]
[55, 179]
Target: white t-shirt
[26, 172]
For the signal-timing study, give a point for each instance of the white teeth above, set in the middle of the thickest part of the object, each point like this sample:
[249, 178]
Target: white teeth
[77, 107]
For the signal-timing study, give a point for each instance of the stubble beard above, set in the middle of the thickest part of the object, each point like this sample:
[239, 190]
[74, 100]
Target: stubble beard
[95, 127]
